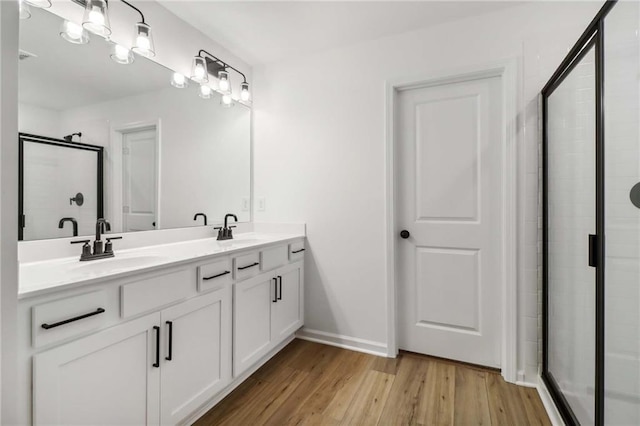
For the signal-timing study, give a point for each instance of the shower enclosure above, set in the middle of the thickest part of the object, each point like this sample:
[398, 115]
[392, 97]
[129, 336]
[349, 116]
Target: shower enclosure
[591, 223]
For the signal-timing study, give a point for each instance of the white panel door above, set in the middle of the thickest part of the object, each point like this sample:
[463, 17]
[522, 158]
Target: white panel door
[107, 378]
[448, 174]
[253, 299]
[139, 154]
[287, 314]
[197, 360]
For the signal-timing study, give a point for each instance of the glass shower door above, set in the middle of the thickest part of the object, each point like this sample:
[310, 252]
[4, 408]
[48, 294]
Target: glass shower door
[622, 214]
[571, 218]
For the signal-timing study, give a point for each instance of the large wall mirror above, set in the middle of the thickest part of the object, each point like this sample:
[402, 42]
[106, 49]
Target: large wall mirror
[167, 154]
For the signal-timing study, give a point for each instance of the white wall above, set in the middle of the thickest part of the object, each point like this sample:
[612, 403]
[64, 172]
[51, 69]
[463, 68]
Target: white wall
[40, 121]
[319, 154]
[8, 207]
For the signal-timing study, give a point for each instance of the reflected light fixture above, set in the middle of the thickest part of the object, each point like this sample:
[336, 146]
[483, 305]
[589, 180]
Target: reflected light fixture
[226, 101]
[121, 54]
[199, 71]
[96, 17]
[178, 80]
[223, 81]
[73, 33]
[205, 92]
[42, 4]
[23, 8]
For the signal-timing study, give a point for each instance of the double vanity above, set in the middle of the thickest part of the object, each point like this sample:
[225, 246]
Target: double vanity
[157, 334]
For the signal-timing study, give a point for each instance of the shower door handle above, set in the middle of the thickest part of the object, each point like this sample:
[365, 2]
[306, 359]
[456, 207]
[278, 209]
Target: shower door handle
[593, 250]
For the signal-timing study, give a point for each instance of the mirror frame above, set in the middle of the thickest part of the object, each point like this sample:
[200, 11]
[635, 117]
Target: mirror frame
[26, 137]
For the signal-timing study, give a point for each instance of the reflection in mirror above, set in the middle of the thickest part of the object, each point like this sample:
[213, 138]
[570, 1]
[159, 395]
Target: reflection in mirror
[169, 153]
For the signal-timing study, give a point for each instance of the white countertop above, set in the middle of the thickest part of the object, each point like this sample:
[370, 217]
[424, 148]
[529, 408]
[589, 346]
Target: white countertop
[37, 278]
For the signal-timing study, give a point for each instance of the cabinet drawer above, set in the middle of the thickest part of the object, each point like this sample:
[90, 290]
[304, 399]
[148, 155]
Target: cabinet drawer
[246, 265]
[296, 251]
[214, 274]
[156, 291]
[68, 317]
[274, 257]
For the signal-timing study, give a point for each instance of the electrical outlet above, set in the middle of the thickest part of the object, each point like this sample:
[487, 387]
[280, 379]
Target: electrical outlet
[262, 204]
[245, 204]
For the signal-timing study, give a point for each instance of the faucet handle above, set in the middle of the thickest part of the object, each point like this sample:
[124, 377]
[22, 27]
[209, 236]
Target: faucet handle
[81, 242]
[114, 238]
[86, 248]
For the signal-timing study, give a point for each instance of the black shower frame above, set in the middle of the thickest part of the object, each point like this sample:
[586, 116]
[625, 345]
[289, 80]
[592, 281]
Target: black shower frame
[26, 137]
[592, 37]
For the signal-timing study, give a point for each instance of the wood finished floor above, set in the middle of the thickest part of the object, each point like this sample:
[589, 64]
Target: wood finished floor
[312, 384]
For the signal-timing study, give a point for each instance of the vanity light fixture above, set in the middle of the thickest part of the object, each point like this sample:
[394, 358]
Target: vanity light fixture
[96, 17]
[73, 33]
[25, 12]
[199, 72]
[42, 4]
[142, 38]
[205, 92]
[121, 54]
[205, 63]
[178, 80]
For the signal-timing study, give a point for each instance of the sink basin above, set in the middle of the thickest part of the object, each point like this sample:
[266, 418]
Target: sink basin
[118, 263]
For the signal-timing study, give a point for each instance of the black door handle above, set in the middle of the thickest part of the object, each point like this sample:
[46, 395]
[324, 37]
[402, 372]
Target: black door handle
[280, 285]
[404, 234]
[593, 250]
[169, 355]
[275, 290]
[157, 363]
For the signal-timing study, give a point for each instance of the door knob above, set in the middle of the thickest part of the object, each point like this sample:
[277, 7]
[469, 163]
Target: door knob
[404, 234]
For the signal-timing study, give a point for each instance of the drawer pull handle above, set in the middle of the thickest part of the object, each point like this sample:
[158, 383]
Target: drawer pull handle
[157, 330]
[280, 286]
[297, 251]
[216, 276]
[169, 356]
[57, 324]
[240, 268]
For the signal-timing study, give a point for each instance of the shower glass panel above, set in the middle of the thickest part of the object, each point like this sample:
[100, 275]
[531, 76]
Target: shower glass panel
[571, 207]
[622, 217]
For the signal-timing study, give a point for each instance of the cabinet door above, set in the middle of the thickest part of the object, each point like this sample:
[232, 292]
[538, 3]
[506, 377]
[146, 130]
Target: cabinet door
[287, 314]
[107, 378]
[253, 299]
[196, 358]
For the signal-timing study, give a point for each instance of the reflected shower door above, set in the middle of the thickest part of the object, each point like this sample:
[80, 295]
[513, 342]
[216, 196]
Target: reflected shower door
[571, 216]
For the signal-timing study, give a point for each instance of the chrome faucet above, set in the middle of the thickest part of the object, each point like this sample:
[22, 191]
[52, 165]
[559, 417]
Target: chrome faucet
[226, 233]
[100, 251]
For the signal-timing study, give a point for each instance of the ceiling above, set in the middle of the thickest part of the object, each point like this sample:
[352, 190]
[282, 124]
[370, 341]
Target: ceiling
[267, 31]
[65, 75]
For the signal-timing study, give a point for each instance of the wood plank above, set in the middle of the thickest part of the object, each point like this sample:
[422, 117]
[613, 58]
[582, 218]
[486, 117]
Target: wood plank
[282, 359]
[225, 408]
[438, 400]
[536, 414]
[505, 404]
[471, 400]
[406, 394]
[315, 359]
[346, 390]
[367, 406]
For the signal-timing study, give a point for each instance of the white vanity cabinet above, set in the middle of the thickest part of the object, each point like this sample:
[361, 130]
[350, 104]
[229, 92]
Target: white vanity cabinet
[267, 309]
[156, 347]
[107, 377]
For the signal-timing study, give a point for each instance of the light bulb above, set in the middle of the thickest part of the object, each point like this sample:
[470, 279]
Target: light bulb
[74, 33]
[205, 92]
[178, 80]
[244, 91]
[226, 101]
[121, 54]
[199, 72]
[96, 17]
[223, 82]
[143, 41]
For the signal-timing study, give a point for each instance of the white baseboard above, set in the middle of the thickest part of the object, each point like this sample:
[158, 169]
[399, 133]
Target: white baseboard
[549, 405]
[345, 342]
